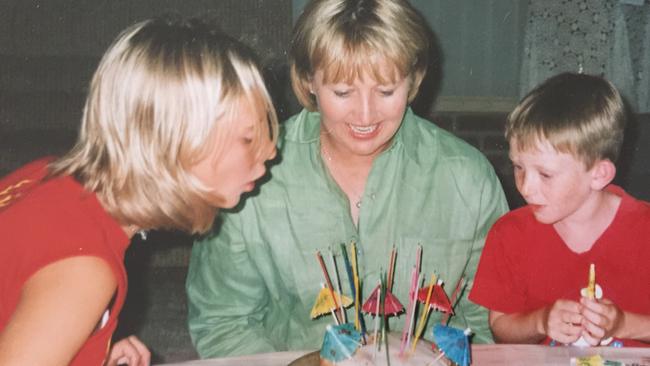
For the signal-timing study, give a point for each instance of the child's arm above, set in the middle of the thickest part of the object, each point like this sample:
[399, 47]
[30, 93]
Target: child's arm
[560, 321]
[59, 307]
[603, 319]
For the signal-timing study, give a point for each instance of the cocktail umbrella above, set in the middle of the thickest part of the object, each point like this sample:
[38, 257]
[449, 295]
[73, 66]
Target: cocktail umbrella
[439, 300]
[340, 342]
[325, 304]
[454, 343]
[392, 305]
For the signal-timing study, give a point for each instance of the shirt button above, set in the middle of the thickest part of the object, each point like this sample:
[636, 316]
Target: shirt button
[373, 196]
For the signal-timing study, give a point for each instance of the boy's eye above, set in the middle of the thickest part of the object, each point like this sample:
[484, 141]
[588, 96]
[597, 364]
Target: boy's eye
[545, 174]
[341, 93]
[387, 93]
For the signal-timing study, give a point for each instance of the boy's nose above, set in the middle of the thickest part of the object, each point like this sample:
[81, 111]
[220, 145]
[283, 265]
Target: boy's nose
[526, 184]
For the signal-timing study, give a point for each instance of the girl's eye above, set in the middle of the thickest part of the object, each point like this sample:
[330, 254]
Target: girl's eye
[387, 93]
[341, 94]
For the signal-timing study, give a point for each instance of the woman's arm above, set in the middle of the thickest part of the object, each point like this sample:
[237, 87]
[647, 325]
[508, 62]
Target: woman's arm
[227, 297]
[59, 307]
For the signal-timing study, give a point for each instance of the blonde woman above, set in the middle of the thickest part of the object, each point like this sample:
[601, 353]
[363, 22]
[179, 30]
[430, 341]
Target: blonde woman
[357, 165]
[177, 124]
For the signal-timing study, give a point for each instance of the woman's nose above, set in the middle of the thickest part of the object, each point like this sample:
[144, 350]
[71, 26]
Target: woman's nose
[367, 110]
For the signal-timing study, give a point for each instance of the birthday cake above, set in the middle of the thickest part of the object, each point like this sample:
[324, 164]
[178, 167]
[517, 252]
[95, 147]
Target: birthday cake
[356, 344]
[370, 355]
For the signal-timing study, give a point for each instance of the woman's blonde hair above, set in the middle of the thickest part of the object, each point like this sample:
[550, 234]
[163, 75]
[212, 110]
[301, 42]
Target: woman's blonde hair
[579, 114]
[152, 113]
[346, 38]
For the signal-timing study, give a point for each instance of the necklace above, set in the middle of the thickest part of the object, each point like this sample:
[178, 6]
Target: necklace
[330, 165]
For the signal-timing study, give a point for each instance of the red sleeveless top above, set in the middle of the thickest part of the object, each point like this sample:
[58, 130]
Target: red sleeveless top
[46, 220]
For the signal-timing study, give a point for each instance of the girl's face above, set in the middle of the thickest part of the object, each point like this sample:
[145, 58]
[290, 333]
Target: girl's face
[360, 118]
[232, 169]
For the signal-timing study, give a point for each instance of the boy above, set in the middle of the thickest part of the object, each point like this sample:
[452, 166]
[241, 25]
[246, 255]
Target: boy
[564, 138]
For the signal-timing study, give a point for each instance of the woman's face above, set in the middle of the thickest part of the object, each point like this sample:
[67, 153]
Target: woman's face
[361, 117]
[230, 171]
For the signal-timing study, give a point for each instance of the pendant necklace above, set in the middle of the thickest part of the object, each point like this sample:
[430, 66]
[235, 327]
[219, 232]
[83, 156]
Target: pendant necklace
[328, 157]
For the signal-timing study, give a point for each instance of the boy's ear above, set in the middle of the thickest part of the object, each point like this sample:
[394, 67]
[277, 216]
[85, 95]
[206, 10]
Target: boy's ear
[602, 173]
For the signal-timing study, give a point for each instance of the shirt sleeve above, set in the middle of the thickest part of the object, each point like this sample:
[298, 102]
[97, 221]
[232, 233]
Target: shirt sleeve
[227, 297]
[492, 205]
[495, 284]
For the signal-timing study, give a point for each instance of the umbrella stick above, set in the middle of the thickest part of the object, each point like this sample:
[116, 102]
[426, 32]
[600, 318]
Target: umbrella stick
[327, 277]
[338, 285]
[413, 313]
[413, 293]
[425, 313]
[409, 310]
[377, 320]
[391, 269]
[454, 297]
[348, 270]
[360, 324]
[384, 328]
[336, 319]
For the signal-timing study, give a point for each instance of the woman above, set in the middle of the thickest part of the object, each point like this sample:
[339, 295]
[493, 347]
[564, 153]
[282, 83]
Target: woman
[177, 124]
[356, 165]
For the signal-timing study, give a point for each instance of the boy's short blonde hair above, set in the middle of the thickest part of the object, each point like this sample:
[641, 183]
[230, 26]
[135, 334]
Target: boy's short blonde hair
[579, 114]
[346, 38]
[151, 114]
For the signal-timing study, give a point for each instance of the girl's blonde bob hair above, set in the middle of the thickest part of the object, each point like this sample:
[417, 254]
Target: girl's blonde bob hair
[346, 39]
[154, 109]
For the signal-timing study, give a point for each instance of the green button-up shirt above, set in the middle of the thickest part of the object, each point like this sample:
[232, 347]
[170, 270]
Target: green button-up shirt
[252, 283]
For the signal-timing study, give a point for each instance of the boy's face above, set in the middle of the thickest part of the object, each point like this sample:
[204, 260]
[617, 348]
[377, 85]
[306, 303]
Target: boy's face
[556, 185]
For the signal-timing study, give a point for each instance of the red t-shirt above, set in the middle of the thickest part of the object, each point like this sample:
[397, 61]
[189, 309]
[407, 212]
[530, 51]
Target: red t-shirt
[525, 264]
[43, 221]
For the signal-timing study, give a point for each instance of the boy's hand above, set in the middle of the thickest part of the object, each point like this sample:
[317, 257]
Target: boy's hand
[562, 321]
[129, 351]
[601, 319]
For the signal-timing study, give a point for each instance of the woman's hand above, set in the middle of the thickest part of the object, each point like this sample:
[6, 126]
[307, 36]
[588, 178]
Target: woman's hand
[129, 351]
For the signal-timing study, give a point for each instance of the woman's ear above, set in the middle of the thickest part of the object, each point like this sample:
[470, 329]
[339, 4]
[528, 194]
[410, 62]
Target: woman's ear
[602, 173]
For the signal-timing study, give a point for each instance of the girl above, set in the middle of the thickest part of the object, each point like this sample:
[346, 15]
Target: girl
[177, 124]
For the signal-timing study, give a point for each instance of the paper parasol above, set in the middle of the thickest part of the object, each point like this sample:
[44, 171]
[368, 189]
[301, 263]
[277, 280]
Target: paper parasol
[454, 343]
[392, 305]
[439, 300]
[340, 342]
[325, 304]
